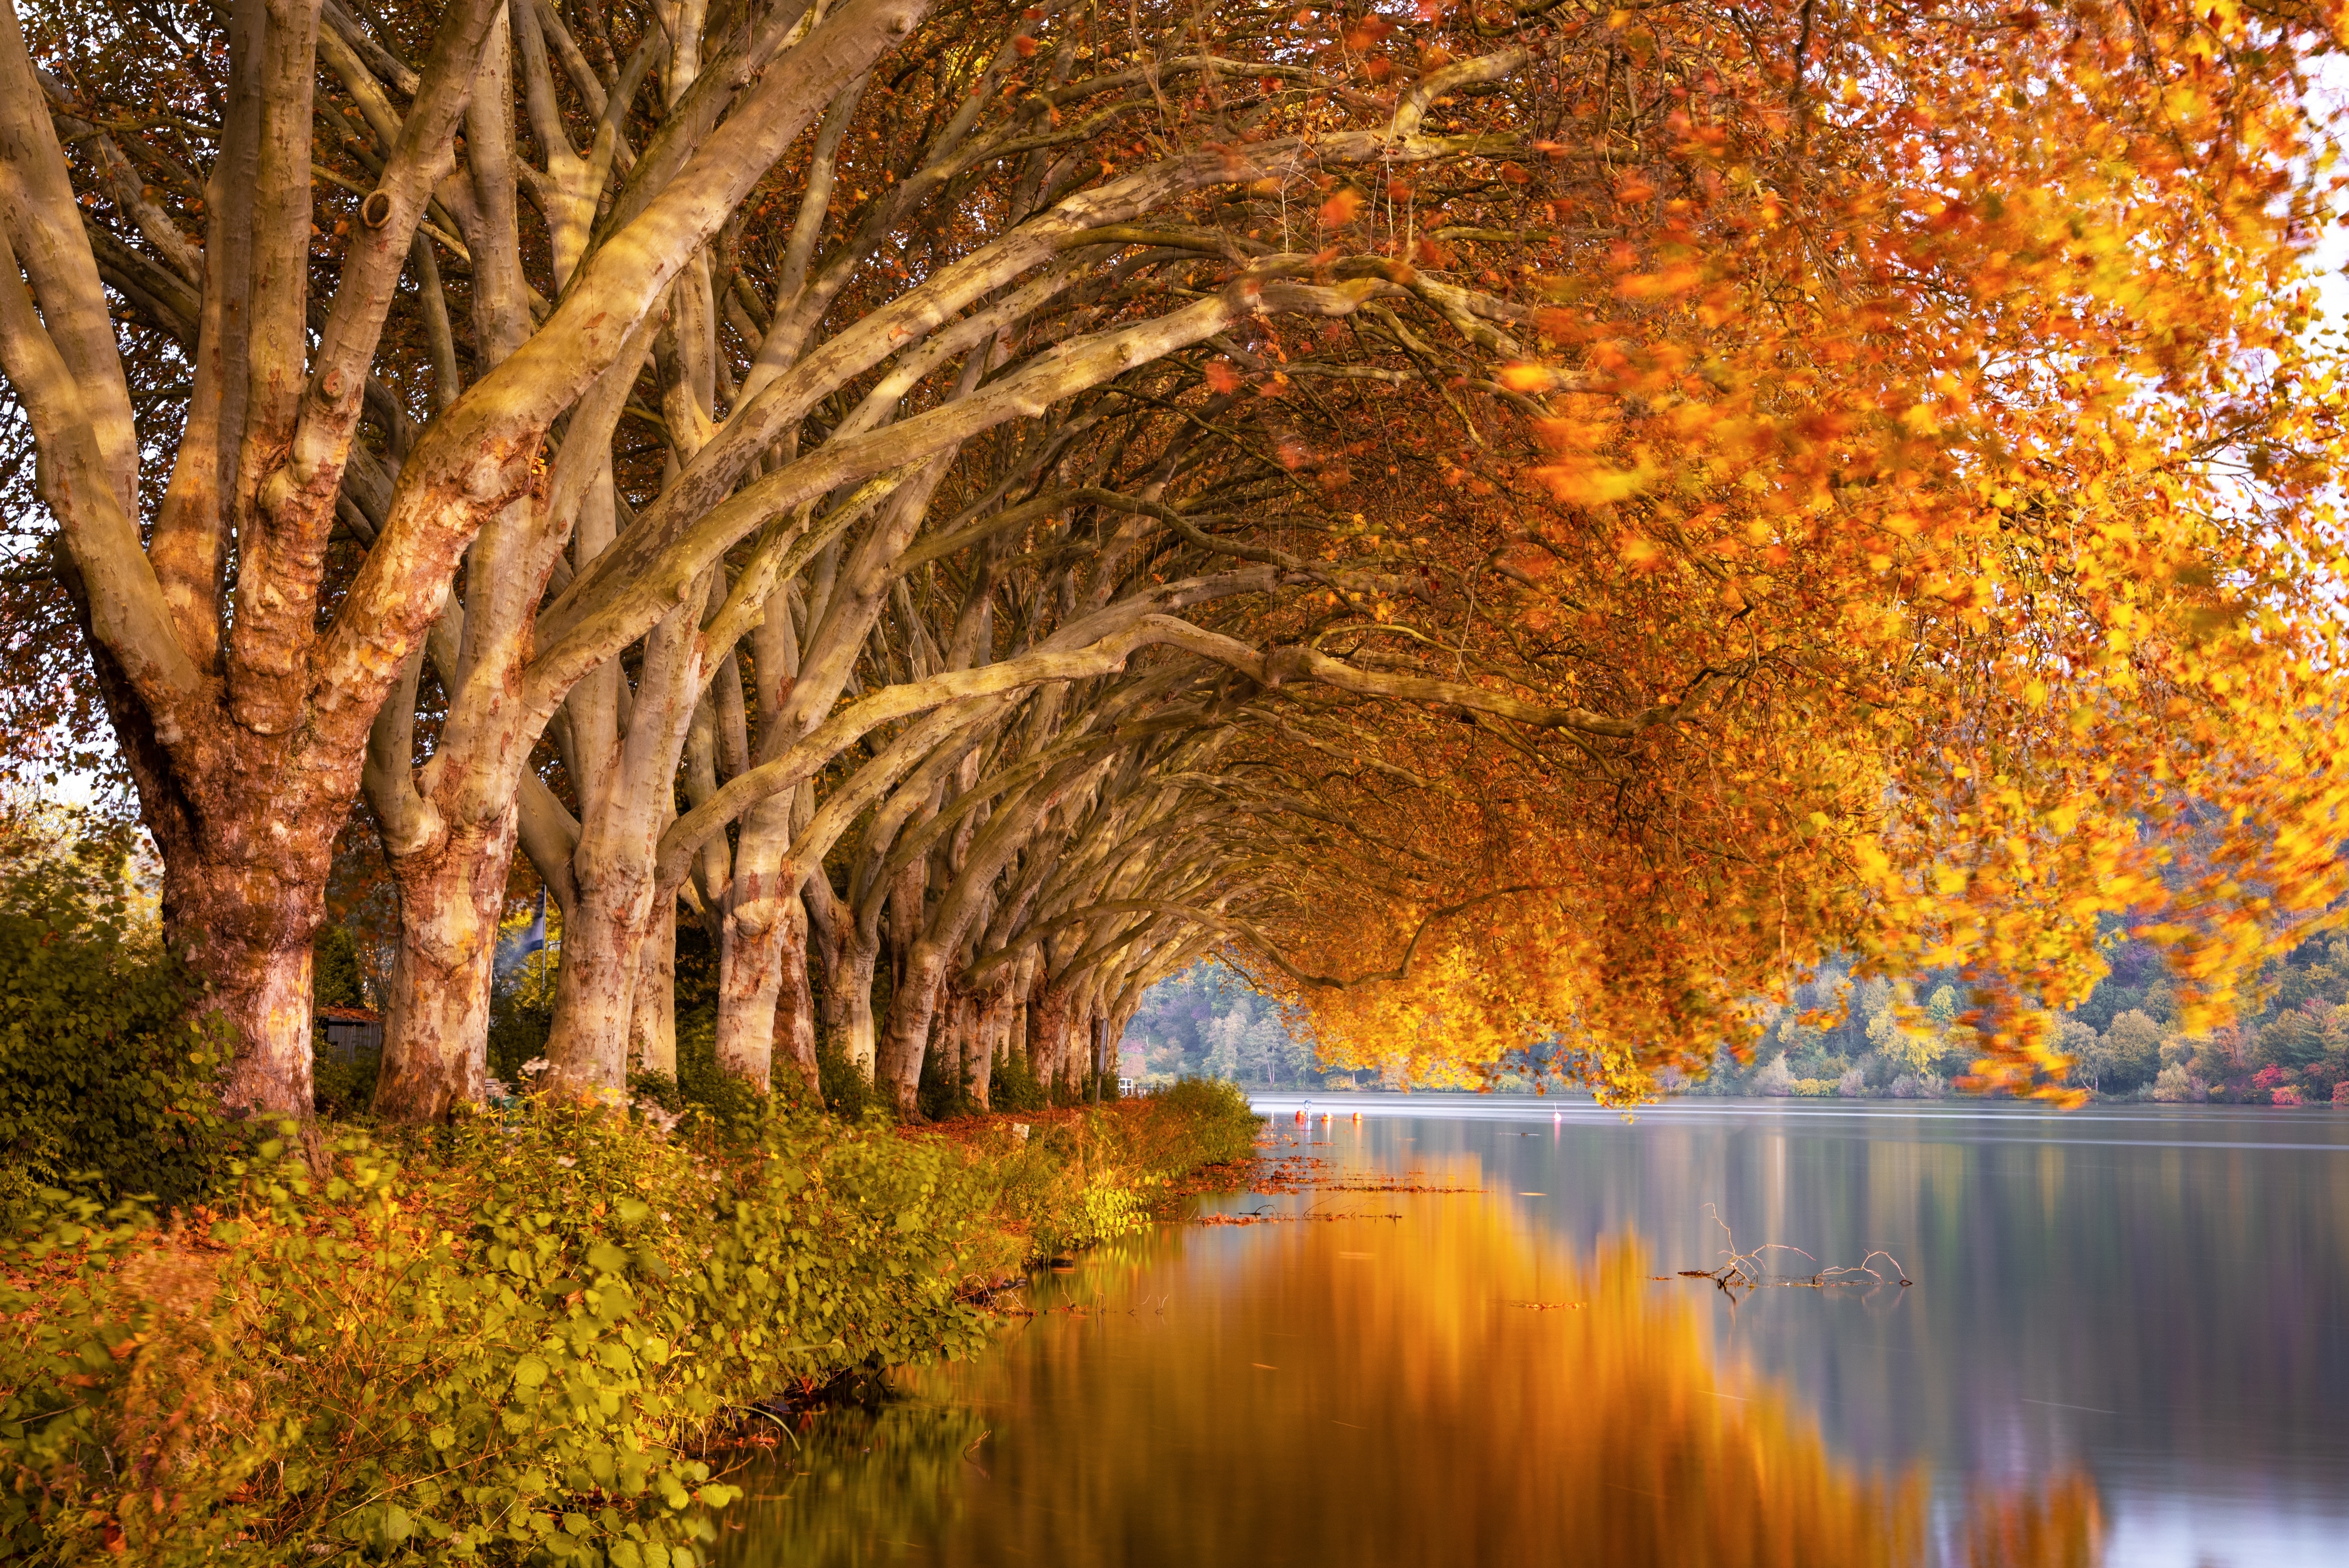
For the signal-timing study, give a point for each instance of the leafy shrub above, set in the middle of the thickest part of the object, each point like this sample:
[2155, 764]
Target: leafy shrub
[1218, 1124]
[344, 1085]
[522, 1016]
[511, 1349]
[941, 1092]
[1014, 1085]
[722, 1096]
[106, 1087]
[1086, 1179]
[845, 1087]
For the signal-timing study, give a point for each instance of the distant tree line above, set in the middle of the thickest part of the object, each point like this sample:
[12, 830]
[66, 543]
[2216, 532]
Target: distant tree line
[2125, 1042]
[1208, 1022]
[1884, 1039]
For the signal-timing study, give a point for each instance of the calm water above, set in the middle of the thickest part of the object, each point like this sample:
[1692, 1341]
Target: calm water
[2127, 1327]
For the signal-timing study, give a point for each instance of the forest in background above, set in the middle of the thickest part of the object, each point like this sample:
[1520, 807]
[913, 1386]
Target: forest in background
[1841, 1037]
[1854, 1039]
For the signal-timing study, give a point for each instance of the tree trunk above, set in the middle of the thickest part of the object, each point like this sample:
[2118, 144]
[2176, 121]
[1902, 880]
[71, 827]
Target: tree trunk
[261, 988]
[853, 994]
[1048, 1037]
[1017, 1018]
[652, 1012]
[617, 902]
[750, 985]
[765, 920]
[990, 1033]
[436, 1027]
[912, 1009]
[595, 989]
[951, 1045]
[246, 930]
[828, 955]
[794, 1026]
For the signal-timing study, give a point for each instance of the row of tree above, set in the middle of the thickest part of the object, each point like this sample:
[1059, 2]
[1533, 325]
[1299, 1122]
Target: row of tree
[1873, 1038]
[1549, 518]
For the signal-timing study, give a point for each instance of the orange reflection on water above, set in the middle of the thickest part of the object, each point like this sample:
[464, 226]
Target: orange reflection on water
[2059, 1526]
[1443, 1387]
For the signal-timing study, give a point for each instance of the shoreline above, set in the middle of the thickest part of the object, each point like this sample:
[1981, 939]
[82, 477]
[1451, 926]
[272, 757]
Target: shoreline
[514, 1336]
[1373, 1103]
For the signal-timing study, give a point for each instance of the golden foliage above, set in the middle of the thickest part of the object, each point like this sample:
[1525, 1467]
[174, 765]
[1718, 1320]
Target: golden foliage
[1944, 428]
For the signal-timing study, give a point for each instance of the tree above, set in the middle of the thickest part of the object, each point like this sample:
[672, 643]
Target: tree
[2085, 1047]
[1519, 530]
[244, 699]
[2294, 1040]
[1980, 559]
[1911, 1046]
[2131, 1051]
[335, 978]
[241, 703]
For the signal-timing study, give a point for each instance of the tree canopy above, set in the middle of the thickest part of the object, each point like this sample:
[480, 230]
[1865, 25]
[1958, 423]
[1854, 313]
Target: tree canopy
[1512, 522]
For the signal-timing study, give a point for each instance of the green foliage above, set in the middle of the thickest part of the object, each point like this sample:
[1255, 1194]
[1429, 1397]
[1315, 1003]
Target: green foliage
[505, 1348]
[522, 1015]
[335, 979]
[1015, 1086]
[344, 1085]
[845, 1087]
[941, 1092]
[507, 1340]
[106, 1088]
[2130, 1054]
[1082, 1180]
[722, 1096]
[1215, 1117]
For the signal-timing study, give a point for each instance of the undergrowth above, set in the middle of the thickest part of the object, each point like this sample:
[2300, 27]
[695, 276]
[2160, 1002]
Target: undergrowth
[520, 1338]
[105, 1088]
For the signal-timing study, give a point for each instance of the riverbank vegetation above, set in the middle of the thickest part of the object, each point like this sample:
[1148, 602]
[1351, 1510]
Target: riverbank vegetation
[525, 1333]
[1850, 1037]
[528, 1335]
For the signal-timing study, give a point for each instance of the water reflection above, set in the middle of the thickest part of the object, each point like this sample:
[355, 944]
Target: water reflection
[1454, 1383]
[2128, 1327]
[2161, 1296]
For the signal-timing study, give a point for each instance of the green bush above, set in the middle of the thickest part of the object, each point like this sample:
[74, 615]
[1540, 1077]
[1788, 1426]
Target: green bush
[845, 1087]
[1215, 1116]
[941, 1093]
[522, 1016]
[510, 1348]
[106, 1088]
[720, 1096]
[344, 1086]
[1076, 1182]
[1014, 1085]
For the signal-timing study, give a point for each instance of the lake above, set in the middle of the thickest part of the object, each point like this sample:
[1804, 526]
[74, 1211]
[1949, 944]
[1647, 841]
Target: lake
[1444, 1338]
